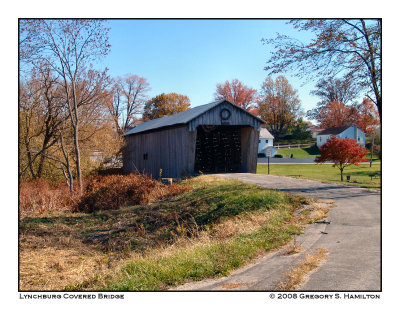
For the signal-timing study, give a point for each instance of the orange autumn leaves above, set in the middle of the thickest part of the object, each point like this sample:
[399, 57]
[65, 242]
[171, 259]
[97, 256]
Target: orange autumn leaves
[337, 114]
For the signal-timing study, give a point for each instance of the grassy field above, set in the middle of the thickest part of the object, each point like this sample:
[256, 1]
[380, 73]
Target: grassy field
[306, 152]
[310, 152]
[206, 232]
[359, 176]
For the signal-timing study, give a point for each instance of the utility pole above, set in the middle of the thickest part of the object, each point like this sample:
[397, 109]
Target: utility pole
[372, 149]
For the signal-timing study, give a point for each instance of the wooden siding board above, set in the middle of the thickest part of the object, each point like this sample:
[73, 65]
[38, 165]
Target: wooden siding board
[249, 140]
[244, 140]
[166, 149]
[212, 117]
[191, 151]
[253, 150]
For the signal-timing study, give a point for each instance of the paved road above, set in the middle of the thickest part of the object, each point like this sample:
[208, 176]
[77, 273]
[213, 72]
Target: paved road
[352, 239]
[273, 160]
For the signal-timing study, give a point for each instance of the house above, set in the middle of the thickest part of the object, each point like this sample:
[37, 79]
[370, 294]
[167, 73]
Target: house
[315, 130]
[215, 137]
[266, 143]
[351, 132]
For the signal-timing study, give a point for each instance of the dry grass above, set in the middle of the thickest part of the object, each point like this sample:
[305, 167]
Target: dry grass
[295, 277]
[94, 269]
[313, 213]
[229, 286]
[294, 248]
[78, 251]
[39, 196]
[243, 224]
[318, 213]
[328, 201]
[53, 269]
[57, 258]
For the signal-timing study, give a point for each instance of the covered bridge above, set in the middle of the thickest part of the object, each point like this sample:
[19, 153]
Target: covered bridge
[215, 137]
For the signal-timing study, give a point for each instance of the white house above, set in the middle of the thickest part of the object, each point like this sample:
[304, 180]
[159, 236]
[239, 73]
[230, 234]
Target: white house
[351, 132]
[266, 143]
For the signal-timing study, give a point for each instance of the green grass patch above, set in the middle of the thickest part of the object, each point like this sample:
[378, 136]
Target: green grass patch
[294, 141]
[305, 152]
[359, 175]
[196, 263]
[375, 157]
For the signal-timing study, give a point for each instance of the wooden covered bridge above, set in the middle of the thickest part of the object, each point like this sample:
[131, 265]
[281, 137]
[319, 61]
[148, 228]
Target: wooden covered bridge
[215, 137]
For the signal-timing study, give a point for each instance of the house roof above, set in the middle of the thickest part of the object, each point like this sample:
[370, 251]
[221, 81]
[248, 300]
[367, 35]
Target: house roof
[268, 147]
[333, 130]
[314, 129]
[181, 118]
[265, 134]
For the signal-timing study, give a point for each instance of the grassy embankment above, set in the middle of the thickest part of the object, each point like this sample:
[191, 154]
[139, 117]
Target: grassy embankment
[359, 175]
[205, 232]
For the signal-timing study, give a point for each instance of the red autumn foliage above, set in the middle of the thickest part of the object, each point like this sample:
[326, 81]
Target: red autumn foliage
[255, 111]
[342, 152]
[38, 196]
[237, 93]
[337, 114]
[101, 193]
[367, 116]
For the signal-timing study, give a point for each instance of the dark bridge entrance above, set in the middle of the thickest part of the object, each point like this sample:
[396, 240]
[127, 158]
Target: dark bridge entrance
[218, 149]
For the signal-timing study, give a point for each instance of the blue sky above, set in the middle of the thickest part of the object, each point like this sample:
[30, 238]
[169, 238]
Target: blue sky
[191, 56]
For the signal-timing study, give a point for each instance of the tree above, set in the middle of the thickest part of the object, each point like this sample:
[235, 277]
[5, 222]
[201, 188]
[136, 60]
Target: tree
[300, 132]
[341, 46]
[237, 93]
[278, 105]
[335, 114]
[332, 89]
[342, 152]
[165, 104]
[127, 99]
[41, 113]
[367, 117]
[69, 47]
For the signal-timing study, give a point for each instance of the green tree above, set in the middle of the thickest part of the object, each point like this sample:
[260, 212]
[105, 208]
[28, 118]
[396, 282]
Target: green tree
[300, 132]
[165, 104]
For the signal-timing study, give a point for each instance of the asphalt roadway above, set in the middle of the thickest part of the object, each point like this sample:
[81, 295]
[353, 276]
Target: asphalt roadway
[273, 160]
[352, 238]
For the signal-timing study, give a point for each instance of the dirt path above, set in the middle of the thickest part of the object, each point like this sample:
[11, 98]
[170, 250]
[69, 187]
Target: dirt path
[352, 239]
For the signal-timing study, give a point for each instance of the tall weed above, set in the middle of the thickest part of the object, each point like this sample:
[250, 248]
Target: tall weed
[105, 192]
[38, 196]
